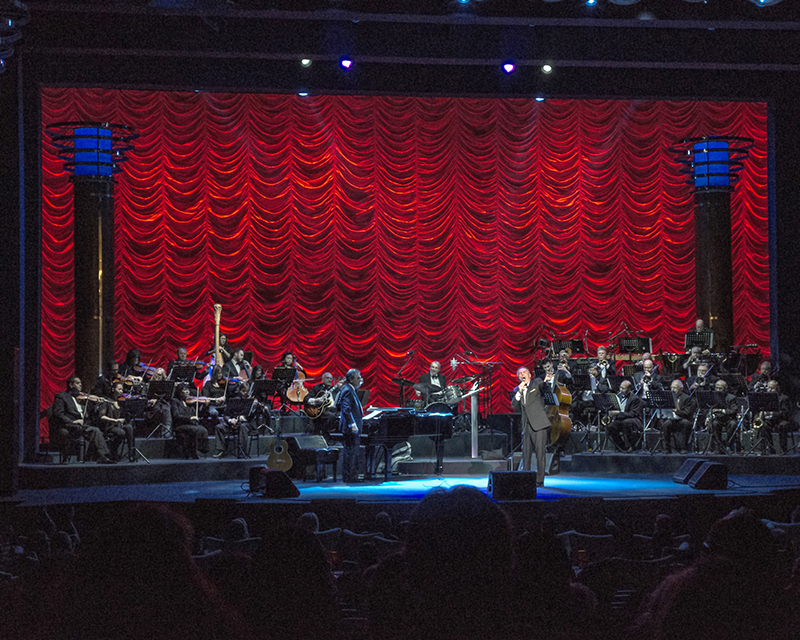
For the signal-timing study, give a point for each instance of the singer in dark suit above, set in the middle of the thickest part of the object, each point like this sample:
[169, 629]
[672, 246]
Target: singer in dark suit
[350, 424]
[527, 399]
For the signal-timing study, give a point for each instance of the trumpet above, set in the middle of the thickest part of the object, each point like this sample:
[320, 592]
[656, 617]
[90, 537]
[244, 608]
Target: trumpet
[758, 421]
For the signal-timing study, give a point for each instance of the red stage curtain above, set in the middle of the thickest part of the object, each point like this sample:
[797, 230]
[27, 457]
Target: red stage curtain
[354, 229]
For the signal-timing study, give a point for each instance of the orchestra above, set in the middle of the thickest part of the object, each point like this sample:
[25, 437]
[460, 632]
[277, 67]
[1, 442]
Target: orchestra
[697, 406]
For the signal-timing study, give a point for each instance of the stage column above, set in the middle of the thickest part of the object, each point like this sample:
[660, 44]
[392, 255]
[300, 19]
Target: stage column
[713, 165]
[92, 153]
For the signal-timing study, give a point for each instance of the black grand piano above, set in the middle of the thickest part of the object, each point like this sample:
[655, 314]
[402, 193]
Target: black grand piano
[385, 427]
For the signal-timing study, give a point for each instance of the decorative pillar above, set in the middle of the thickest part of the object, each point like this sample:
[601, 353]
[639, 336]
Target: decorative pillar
[92, 152]
[712, 165]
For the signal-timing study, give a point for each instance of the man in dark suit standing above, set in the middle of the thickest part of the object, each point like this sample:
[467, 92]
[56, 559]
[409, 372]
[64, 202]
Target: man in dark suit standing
[68, 420]
[528, 400]
[627, 423]
[350, 424]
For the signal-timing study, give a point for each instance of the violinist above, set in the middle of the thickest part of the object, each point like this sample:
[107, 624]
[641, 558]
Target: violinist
[132, 367]
[69, 420]
[114, 426]
[232, 424]
[237, 366]
[225, 349]
[215, 389]
[186, 424]
[182, 360]
[103, 385]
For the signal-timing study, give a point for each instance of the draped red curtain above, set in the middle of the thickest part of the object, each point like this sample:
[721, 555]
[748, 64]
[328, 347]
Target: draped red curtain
[354, 229]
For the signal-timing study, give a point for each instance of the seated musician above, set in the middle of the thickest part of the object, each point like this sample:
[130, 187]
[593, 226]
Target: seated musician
[692, 362]
[69, 421]
[583, 406]
[186, 424]
[325, 395]
[703, 380]
[680, 420]
[238, 425]
[225, 349]
[114, 426]
[431, 383]
[288, 363]
[103, 385]
[215, 389]
[626, 424]
[723, 419]
[647, 379]
[605, 366]
[758, 382]
[237, 366]
[776, 421]
[132, 367]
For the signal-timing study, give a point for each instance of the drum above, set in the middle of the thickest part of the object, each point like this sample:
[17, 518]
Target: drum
[416, 405]
[439, 407]
[452, 395]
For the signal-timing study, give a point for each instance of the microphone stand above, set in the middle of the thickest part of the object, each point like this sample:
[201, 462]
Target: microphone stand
[401, 382]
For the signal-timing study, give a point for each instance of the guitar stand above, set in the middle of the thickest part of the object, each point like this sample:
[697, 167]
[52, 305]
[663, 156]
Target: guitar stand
[163, 432]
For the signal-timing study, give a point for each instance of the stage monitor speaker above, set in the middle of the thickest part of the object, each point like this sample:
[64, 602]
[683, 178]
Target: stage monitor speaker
[687, 470]
[710, 475]
[512, 485]
[272, 483]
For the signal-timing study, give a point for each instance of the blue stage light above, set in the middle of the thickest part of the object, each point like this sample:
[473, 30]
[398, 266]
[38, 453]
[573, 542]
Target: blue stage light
[546, 68]
[591, 3]
[346, 63]
[539, 98]
[509, 67]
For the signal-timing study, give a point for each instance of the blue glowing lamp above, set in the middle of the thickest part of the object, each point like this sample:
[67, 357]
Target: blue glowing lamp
[92, 149]
[712, 163]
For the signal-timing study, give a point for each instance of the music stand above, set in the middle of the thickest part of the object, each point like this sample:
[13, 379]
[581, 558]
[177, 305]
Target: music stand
[575, 346]
[736, 383]
[615, 381]
[635, 344]
[767, 402]
[580, 382]
[707, 401]
[183, 372]
[658, 399]
[704, 340]
[285, 375]
[248, 355]
[264, 388]
[161, 390]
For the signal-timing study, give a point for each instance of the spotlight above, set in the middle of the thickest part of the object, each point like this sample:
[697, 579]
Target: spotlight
[302, 93]
[463, 1]
[346, 63]
[509, 67]
[539, 98]
[546, 68]
[591, 3]
[305, 62]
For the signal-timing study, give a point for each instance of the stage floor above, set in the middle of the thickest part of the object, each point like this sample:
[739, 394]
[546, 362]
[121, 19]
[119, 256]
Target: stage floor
[606, 486]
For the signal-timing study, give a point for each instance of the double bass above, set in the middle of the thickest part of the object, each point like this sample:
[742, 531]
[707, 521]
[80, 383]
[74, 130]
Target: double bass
[560, 422]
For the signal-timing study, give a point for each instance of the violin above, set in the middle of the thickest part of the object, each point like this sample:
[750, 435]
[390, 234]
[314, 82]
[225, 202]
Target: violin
[90, 398]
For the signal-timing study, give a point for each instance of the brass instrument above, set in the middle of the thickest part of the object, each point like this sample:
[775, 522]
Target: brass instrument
[758, 421]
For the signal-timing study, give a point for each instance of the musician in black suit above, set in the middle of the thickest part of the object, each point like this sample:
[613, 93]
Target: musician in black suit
[68, 420]
[236, 365]
[626, 424]
[700, 328]
[679, 424]
[723, 419]
[703, 380]
[583, 407]
[758, 382]
[350, 424]
[433, 382]
[647, 379]
[103, 385]
[776, 421]
[535, 424]
[185, 424]
[605, 366]
[323, 397]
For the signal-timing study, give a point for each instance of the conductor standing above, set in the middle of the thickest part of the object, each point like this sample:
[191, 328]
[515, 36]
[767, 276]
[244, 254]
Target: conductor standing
[528, 400]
